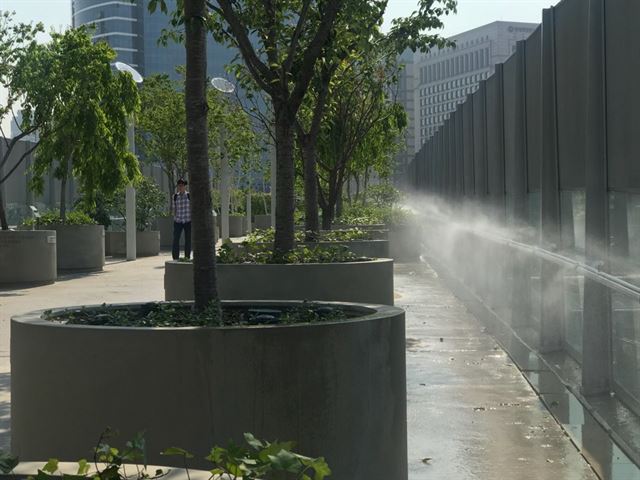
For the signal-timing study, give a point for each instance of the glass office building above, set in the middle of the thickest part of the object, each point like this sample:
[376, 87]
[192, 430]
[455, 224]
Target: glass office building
[133, 33]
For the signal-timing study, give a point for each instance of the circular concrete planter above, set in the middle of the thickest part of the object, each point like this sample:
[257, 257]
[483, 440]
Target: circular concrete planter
[360, 282]
[147, 244]
[338, 389]
[261, 222]
[27, 257]
[237, 225]
[79, 247]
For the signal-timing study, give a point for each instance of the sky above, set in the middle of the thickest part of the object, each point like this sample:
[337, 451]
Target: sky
[471, 13]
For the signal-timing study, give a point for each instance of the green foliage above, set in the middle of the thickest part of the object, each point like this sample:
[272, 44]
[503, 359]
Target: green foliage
[161, 127]
[261, 460]
[159, 315]
[383, 194]
[358, 214]
[150, 203]
[263, 254]
[260, 203]
[343, 235]
[52, 217]
[100, 209]
[85, 132]
[7, 462]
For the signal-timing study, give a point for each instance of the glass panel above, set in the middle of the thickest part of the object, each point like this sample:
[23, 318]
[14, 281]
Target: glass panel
[573, 304]
[625, 319]
[572, 221]
[624, 228]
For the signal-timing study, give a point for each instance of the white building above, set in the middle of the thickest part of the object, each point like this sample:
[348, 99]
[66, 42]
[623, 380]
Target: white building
[444, 77]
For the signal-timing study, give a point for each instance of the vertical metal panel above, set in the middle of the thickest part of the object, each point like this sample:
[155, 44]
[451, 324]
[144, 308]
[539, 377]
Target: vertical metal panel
[480, 140]
[445, 158]
[468, 149]
[495, 139]
[533, 83]
[623, 95]
[551, 316]
[515, 122]
[596, 325]
[452, 156]
[571, 75]
[459, 153]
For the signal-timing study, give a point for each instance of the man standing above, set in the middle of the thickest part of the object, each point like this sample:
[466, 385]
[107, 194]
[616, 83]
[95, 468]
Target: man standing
[181, 220]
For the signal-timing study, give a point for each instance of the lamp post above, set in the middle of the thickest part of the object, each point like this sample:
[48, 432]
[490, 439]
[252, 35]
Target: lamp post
[225, 86]
[131, 191]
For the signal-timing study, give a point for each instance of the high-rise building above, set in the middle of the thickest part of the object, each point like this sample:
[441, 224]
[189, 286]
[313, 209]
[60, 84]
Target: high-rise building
[444, 77]
[133, 32]
[405, 96]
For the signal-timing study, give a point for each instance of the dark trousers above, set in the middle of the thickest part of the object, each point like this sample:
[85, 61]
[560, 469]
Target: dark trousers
[177, 232]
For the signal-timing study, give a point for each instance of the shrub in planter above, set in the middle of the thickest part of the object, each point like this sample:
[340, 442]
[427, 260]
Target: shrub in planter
[257, 459]
[344, 389]
[79, 240]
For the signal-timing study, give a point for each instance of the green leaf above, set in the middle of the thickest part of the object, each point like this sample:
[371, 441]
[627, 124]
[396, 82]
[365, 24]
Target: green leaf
[51, 466]
[173, 451]
[7, 462]
[83, 467]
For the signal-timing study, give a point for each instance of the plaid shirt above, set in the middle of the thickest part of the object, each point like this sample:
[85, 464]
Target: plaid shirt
[181, 208]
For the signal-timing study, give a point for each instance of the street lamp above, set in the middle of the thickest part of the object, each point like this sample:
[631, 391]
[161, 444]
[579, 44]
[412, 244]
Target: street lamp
[131, 192]
[225, 86]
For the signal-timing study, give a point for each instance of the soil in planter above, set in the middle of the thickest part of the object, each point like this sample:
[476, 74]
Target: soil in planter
[182, 315]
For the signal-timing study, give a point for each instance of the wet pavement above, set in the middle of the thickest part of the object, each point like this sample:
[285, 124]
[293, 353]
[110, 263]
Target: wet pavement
[472, 414]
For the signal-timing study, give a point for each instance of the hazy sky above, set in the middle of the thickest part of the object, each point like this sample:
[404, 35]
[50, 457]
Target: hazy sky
[471, 13]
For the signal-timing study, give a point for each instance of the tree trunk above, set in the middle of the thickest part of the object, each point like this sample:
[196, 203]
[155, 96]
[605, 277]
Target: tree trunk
[311, 219]
[339, 202]
[329, 209]
[3, 214]
[285, 177]
[204, 259]
[63, 188]
[357, 179]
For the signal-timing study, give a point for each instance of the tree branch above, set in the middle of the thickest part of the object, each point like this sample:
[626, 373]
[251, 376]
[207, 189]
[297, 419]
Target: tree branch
[24, 155]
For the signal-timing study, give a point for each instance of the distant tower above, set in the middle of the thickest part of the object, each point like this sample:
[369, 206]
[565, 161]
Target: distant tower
[133, 33]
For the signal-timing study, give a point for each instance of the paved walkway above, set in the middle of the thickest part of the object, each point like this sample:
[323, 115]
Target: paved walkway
[471, 413]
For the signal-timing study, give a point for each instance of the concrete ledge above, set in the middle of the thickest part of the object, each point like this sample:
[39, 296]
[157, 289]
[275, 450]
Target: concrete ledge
[79, 247]
[361, 282]
[338, 389]
[147, 244]
[27, 257]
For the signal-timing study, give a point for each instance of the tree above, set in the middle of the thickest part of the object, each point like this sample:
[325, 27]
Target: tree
[280, 53]
[204, 261]
[86, 134]
[361, 127]
[161, 127]
[16, 39]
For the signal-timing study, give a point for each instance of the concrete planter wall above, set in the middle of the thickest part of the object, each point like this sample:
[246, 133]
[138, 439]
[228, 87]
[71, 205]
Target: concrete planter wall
[261, 222]
[28, 257]
[361, 282]
[337, 389]
[147, 244]
[237, 225]
[79, 247]
[405, 243]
